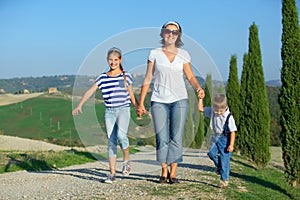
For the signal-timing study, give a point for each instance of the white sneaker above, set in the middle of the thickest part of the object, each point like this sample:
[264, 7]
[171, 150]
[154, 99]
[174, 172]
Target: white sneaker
[126, 168]
[111, 178]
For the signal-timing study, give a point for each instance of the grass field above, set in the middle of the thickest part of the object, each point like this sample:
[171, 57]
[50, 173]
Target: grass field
[43, 118]
[49, 118]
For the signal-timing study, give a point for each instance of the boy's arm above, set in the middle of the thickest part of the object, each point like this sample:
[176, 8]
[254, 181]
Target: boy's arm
[231, 144]
[200, 105]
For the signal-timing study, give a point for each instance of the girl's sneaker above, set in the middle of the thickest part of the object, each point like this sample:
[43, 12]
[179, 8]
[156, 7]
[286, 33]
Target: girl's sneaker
[111, 178]
[126, 168]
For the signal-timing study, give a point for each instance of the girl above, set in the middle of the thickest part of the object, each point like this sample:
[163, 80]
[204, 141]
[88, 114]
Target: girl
[116, 88]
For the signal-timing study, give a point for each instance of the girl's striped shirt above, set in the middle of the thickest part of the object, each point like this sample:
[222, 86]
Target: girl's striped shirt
[113, 91]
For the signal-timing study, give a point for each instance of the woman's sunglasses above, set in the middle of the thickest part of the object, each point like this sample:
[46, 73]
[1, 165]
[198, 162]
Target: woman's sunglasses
[168, 31]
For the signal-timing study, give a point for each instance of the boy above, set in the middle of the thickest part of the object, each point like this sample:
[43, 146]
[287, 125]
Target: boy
[222, 142]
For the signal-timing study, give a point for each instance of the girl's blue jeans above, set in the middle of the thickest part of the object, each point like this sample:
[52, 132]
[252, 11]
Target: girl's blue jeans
[220, 156]
[116, 124]
[169, 120]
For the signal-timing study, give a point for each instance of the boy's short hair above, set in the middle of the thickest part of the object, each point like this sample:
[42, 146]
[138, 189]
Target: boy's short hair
[220, 101]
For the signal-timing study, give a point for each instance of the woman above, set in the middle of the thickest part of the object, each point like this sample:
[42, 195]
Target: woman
[169, 100]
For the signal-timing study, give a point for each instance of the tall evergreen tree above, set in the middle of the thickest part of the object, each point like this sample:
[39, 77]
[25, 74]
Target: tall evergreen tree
[290, 91]
[208, 89]
[255, 125]
[189, 135]
[240, 137]
[233, 92]
[233, 89]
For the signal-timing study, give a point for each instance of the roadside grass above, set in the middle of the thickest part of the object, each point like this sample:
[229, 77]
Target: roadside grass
[246, 182]
[11, 161]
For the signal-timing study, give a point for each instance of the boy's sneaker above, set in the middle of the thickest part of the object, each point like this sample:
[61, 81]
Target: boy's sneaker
[126, 168]
[218, 170]
[111, 178]
[223, 184]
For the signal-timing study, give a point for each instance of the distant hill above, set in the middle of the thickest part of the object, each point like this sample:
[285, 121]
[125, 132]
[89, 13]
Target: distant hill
[65, 83]
[274, 83]
[36, 84]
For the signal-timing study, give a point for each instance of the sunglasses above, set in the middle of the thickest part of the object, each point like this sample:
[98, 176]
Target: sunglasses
[168, 31]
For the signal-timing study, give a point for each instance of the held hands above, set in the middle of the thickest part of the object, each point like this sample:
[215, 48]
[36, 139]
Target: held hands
[201, 93]
[140, 111]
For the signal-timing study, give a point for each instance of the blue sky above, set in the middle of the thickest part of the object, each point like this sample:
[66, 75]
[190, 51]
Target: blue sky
[55, 37]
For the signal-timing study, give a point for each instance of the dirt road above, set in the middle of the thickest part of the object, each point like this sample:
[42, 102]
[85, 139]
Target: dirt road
[6, 99]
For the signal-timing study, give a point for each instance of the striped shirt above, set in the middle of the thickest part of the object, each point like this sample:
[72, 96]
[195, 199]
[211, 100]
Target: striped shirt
[113, 91]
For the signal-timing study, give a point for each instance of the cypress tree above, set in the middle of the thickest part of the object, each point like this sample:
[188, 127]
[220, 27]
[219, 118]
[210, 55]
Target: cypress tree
[220, 89]
[255, 125]
[233, 89]
[289, 98]
[208, 89]
[188, 136]
[240, 137]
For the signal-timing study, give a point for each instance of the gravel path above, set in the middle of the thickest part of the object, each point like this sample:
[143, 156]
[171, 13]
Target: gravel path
[86, 181]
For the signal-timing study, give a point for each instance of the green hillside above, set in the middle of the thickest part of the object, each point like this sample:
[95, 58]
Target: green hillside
[49, 118]
[43, 118]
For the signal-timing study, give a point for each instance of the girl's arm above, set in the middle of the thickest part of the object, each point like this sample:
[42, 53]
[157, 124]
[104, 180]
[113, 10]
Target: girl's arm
[133, 100]
[193, 80]
[84, 98]
[145, 87]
